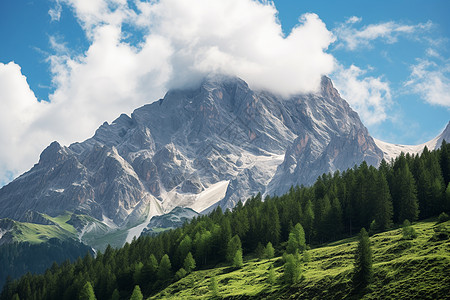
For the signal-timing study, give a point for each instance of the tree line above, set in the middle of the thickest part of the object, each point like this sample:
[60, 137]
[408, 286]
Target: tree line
[411, 187]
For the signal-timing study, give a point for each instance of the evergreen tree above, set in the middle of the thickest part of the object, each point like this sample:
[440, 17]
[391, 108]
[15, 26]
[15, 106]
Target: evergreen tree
[335, 218]
[363, 261]
[115, 295]
[296, 241]
[87, 292]
[165, 268]
[383, 204]
[137, 294]
[308, 216]
[189, 263]
[272, 223]
[271, 277]
[408, 207]
[292, 269]
[447, 199]
[269, 251]
[181, 273]
[233, 246]
[213, 287]
[183, 249]
[237, 260]
[445, 162]
[259, 251]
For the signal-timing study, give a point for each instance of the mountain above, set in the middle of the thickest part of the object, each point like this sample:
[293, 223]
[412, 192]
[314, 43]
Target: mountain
[393, 150]
[196, 148]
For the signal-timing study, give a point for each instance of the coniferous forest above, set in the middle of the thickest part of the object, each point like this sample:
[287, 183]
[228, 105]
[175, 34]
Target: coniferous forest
[411, 187]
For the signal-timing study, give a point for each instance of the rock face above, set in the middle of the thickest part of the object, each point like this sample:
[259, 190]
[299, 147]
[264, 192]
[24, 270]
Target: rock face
[217, 144]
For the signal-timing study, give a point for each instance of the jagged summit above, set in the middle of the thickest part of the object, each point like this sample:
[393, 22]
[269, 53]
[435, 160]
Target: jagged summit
[196, 148]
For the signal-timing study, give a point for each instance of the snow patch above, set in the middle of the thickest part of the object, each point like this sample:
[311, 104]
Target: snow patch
[210, 196]
[109, 222]
[154, 209]
[391, 151]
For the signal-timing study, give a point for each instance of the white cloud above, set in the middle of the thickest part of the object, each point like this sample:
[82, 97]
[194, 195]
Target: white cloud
[352, 38]
[182, 41]
[20, 140]
[55, 12]
[431, 81]
[369, 96]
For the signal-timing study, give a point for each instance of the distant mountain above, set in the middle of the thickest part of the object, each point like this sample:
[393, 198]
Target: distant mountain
[393, 150]
[197, 148]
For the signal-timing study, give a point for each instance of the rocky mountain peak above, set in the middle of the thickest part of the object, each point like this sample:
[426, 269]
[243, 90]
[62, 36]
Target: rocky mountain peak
[52, 154]
[197, 148]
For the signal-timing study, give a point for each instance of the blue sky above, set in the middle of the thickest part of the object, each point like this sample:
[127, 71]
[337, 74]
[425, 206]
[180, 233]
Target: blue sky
[68, 65]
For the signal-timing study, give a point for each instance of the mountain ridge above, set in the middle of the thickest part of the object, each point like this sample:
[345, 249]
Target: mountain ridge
[196, 148]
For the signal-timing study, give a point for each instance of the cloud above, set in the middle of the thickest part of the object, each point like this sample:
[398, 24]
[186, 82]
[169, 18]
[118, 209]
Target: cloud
[55, 12]
[431, 80]
[369, 96]
[352, 38]
[179, 42]
[20, 140]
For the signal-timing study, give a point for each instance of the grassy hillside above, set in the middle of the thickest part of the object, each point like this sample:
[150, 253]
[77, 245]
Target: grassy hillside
[410, 269]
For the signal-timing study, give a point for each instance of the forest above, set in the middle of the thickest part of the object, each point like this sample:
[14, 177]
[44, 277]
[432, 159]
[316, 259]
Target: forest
[411, 187]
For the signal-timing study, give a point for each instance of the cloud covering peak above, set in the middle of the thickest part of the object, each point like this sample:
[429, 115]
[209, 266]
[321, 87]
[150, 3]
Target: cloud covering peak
[137, 50]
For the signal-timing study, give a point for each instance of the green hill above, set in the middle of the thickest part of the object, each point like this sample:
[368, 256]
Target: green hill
[403, 269]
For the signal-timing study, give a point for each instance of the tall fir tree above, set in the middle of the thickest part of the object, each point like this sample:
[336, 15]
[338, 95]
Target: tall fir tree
[292, 269]
[87, 292]
[137, 294]
[363, 272]
[296, 242]
[408, 207]
[165, 268]
[189, 263]
[383, 204]
[233, 246]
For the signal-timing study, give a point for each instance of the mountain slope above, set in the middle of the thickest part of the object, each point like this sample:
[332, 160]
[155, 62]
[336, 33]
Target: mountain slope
[214, 145]
[403, 269]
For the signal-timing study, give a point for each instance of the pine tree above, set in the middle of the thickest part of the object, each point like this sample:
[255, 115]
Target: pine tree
[137, 294]
[292, 269]
[296, 241]
[363, 261]
[181, 273]
[269, 252]
[447, 199]
[237, 259]
[308, 215]
[272, 224]
[183, 249]
[445, 162]
[213, 287]
[335, 218]
[259, 251]
[383, 204]
[233, 246]
[271, 277]
[87, 292]
[115, 295]
[189, 263]
[408, 207]
[165, 268]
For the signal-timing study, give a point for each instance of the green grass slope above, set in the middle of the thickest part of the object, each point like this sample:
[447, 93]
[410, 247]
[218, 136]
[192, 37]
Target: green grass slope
[403, 269]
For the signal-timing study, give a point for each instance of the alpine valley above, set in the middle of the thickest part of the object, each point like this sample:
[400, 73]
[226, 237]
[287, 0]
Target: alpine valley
[184, 155]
